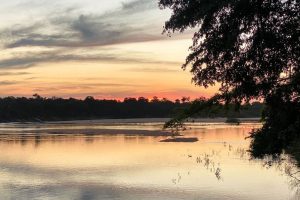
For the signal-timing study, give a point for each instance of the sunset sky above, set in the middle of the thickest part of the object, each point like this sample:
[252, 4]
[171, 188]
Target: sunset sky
[106, 49]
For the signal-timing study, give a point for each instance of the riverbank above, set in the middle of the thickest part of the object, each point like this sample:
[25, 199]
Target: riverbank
[131, 120]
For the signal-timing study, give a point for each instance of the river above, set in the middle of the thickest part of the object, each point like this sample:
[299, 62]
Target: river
[118, 160]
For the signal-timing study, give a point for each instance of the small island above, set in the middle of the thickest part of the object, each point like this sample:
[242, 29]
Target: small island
[180, 139]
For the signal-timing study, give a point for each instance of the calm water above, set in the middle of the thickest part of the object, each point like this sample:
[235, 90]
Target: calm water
[37, 164]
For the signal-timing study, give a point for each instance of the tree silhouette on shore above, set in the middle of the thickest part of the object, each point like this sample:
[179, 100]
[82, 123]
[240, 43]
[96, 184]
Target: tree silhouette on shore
[252, 49]
[40, 109]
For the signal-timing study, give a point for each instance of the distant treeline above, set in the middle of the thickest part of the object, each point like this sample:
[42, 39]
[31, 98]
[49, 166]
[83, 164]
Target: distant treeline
[38, 108]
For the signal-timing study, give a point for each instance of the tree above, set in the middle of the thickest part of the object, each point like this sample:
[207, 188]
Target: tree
[155, 99]
[143, 100]
[250, 47]
[185, 99]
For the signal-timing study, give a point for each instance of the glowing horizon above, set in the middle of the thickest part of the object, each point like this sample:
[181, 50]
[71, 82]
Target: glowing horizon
[106, 50]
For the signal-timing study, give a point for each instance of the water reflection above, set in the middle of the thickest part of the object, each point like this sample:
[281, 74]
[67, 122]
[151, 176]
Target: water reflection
[85, 166]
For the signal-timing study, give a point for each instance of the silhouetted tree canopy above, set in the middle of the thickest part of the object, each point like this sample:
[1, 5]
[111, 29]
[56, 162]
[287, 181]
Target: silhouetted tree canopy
[252, 49]
[48, 109]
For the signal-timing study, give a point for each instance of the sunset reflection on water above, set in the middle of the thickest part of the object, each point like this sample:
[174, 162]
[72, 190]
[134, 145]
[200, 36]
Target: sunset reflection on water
[82, 166]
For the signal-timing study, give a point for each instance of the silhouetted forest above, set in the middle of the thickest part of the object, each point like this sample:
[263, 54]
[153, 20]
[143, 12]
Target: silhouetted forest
[39, 108]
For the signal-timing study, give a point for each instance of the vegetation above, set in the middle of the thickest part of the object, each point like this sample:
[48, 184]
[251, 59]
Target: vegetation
[233, 121]
[252, 49]
[38, 108]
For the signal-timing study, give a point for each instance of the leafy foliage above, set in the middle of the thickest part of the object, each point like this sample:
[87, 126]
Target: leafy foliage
[252, 49]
